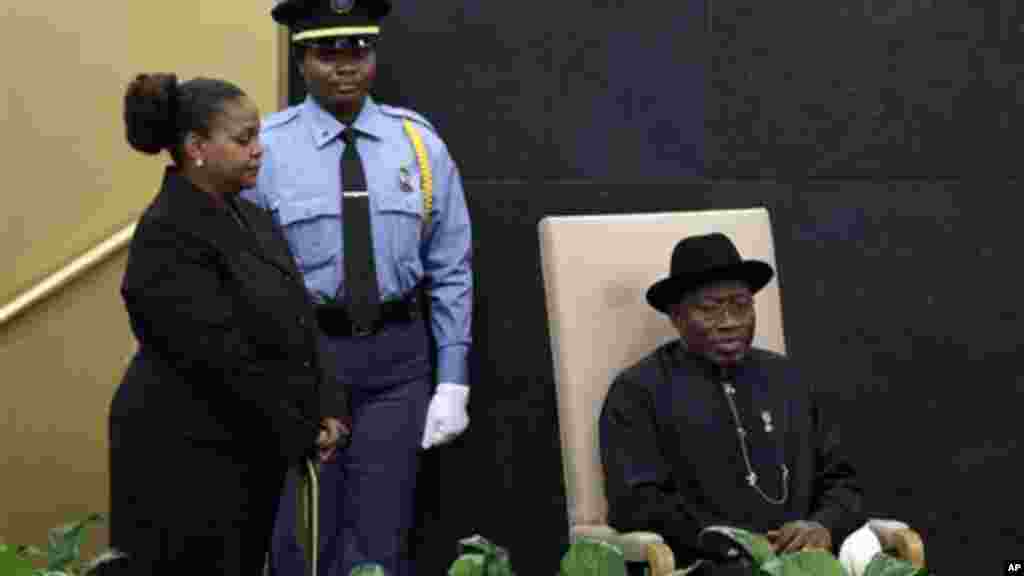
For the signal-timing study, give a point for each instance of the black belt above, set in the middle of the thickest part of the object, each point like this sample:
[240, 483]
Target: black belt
[333, 319]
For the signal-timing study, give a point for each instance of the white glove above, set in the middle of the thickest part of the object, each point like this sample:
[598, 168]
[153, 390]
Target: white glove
[446, 416]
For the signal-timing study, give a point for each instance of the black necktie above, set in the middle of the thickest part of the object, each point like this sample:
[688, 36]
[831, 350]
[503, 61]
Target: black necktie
[362, 297]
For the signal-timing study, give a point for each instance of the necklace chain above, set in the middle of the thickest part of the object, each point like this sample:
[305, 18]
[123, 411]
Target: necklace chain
[742, 434]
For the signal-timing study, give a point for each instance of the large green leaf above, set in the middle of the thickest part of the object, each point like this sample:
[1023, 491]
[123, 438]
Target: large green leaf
[12, 563]
[588, 557]
[884, 565]
[467, 565]
[480, 545]
[494, 560]
[65, 542]
[368, 570]
[805, 563]
[494, 566]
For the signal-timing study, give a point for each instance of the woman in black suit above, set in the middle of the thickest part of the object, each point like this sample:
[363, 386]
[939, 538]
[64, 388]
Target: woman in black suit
[224, 393]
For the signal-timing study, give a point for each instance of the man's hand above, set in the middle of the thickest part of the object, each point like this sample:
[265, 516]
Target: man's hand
[332, 431]
[799, 535]
[446, 415]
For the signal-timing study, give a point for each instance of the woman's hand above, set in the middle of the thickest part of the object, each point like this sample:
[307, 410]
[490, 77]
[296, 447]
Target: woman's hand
[332, 431]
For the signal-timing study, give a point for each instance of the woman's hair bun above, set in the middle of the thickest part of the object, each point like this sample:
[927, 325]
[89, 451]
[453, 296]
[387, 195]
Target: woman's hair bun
[151, 111]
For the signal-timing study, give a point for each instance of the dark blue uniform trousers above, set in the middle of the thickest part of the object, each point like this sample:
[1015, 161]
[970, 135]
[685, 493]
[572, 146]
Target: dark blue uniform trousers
[366, 494]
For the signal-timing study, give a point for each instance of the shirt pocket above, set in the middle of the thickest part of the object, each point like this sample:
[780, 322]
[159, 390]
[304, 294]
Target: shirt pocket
[401, 222]
[313, 229]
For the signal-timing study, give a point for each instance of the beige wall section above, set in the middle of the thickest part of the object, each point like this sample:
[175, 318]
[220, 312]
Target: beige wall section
[70, 178]
[70, 182]
[61, 363]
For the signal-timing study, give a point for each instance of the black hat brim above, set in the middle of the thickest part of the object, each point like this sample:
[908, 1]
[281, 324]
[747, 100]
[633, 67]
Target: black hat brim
[668, 291]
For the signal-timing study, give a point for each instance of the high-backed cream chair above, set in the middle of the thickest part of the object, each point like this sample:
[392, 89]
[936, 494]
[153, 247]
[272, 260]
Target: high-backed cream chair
[596, 271]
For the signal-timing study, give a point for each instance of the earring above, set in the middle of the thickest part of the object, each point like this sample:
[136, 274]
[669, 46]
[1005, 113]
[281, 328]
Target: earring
[199, 162]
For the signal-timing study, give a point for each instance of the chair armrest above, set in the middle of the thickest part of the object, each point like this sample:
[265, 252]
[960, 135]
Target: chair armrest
[660, 559]
[646, 547]
[899, 538]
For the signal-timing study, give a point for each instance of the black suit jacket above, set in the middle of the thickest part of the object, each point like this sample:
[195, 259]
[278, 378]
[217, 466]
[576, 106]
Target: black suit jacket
[228, 350]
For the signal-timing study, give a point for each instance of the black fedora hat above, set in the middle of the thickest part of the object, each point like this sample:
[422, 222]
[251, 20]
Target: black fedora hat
[700, 260]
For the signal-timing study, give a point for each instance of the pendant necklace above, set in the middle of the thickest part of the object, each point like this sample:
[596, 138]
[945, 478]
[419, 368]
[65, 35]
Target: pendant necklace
[741, 432]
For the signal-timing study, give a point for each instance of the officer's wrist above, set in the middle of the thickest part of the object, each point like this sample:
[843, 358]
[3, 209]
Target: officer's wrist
[460, 391]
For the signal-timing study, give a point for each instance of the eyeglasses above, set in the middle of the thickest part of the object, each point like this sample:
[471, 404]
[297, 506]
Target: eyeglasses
[715, 311]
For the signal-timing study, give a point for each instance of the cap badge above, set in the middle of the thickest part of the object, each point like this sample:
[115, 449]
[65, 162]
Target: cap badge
[342, 6]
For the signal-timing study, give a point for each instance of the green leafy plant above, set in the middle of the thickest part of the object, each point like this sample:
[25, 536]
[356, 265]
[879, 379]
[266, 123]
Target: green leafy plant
[587, 557]
[13, 563]
[368, 570]
[803, 563]
[63, 555]
[885, 565]
[755, 545]
[480, 557]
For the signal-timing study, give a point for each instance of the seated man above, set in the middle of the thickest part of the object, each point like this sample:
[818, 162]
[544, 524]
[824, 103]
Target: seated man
[707, 430]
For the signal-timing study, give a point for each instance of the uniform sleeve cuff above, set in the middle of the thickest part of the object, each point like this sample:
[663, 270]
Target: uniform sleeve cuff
[451, 365]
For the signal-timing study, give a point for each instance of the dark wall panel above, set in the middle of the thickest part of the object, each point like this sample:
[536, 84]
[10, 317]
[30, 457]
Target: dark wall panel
[865, 88]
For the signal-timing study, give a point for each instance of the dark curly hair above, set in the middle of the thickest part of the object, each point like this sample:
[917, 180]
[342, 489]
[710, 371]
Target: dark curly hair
[159, 112]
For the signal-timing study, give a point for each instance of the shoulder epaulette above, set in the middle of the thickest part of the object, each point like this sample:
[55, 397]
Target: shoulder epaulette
[280, 118]
[396, 112]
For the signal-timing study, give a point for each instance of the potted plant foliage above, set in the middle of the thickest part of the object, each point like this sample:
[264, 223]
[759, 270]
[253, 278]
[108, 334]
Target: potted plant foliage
[62, 557]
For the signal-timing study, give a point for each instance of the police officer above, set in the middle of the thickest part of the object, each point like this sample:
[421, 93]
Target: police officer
[372, 205]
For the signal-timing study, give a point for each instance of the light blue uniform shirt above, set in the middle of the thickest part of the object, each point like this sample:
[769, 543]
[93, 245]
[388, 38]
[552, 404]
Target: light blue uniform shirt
[300, 185]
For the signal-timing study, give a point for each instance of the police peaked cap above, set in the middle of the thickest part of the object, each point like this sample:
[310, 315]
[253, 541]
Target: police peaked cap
[311, 20]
